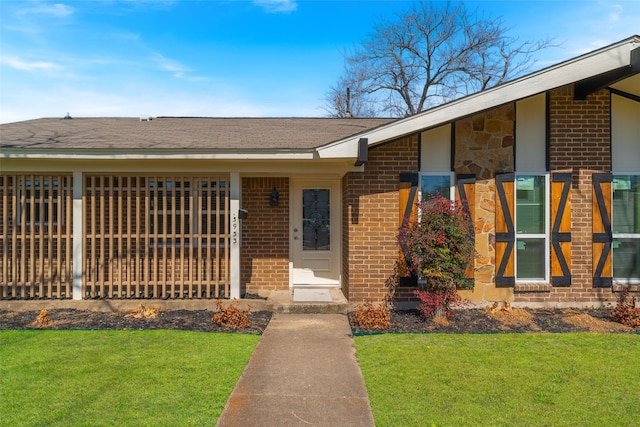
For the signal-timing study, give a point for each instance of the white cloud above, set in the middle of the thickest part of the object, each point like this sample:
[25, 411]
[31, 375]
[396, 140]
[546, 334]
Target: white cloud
[170, 65]
[20, 64]
[277, 6]
[58, 10]
[126, 36]
[615, 13]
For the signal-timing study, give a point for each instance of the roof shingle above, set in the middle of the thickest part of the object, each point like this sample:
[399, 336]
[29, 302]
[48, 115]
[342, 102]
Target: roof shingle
[181, 133]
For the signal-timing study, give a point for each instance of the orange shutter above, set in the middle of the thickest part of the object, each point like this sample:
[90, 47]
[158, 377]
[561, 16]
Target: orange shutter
[505, 231]
[466, 193]
[408, 193]
[602, 236]
[561, 230]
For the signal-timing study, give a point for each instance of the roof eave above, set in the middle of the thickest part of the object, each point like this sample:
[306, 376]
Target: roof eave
[303, 154]
[606, 59]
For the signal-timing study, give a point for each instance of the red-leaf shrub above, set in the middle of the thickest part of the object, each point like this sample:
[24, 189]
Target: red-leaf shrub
[438, 246]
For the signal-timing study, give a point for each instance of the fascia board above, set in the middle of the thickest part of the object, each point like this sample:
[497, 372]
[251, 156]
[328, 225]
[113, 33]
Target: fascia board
[337, 167]
[111, 155]
[568, 72]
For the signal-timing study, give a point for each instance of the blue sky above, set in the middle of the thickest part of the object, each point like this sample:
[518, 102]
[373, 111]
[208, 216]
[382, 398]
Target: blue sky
[235, 58]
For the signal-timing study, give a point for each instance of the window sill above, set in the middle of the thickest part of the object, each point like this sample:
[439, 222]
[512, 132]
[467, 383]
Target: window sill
[619, 287]
[532, 287]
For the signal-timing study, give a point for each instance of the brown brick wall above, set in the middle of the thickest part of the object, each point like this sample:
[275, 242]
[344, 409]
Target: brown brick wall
[580, 142]
[264, 257]
[370, 219]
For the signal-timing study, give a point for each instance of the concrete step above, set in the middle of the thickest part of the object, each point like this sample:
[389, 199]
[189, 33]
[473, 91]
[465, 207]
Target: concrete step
[308, 300]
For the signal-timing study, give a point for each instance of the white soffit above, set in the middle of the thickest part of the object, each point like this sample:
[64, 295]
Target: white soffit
[571, 71]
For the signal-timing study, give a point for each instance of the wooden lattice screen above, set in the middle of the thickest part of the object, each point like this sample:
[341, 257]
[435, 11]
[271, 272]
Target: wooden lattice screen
[156, 237]
[35, 236]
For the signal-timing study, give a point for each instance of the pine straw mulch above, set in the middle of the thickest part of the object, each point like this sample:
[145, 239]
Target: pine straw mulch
[190, 320]
[512, 320]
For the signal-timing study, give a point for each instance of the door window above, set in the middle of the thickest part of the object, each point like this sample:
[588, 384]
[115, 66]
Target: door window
[316, 223]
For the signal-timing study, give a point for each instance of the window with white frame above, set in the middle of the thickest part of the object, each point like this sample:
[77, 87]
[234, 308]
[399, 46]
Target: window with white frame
[532, 227]
[626, 228]
[436, 183]
[625, 221]
[40, 203]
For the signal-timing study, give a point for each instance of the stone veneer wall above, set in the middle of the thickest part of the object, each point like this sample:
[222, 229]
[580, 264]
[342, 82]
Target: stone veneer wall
[264, 255]
[371, 219]
[484, 146]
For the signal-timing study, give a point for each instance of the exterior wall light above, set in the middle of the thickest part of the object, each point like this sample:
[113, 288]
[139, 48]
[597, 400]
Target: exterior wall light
[274, 197]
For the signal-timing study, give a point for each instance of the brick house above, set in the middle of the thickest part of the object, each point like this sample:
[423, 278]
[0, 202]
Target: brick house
[207, 208]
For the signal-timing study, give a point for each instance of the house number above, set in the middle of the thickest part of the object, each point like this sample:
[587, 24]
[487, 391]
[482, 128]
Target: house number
[234, 226]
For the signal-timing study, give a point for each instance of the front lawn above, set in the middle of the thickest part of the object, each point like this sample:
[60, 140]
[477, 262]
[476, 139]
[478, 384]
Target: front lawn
[568, 379]
[108, 377]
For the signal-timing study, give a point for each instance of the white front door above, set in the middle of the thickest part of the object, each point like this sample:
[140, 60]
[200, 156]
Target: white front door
[315, 233]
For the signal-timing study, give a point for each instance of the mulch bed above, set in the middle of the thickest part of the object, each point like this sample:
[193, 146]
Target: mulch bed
[470, 320]
[515, 320]
[190, 320]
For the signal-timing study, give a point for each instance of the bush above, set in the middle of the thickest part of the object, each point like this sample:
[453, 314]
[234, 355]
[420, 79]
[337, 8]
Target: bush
[438, 302]
[370, 316]
[231, 316]
[439, 247]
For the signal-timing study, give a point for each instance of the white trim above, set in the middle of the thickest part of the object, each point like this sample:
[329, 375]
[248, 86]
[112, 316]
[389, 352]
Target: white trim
[235, 231]
[77, 235]
[172, 155]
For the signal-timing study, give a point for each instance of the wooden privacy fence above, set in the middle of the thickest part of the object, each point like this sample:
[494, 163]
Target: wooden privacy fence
[156, 237]
[35, 236]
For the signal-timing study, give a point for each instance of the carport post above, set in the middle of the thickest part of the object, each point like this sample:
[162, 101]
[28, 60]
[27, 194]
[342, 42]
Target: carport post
[78, 238]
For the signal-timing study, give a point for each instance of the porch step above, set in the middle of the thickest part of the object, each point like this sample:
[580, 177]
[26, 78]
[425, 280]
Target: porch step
[308, 300]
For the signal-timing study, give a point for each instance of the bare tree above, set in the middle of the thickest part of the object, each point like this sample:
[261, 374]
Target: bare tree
[348, 98]
[425, 57]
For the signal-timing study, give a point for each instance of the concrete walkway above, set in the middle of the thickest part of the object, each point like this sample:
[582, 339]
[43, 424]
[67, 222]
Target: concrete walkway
[302, 373]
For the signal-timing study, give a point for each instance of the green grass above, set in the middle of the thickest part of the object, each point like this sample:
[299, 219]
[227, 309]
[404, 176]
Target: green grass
[579, 379]
[118, 378]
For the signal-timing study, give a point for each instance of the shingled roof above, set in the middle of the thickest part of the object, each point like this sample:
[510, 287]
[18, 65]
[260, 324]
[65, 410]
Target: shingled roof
[180, 133]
